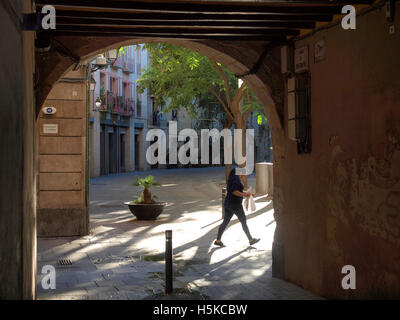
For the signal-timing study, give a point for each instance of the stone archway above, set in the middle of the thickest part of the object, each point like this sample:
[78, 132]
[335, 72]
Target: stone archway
[267, 82]
[240, 57]
[319, 189]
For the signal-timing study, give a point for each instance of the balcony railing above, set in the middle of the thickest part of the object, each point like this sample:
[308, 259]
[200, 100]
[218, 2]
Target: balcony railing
[104, 104]
[119, 63]
[125, 63]
[116, 104]
[129, 66]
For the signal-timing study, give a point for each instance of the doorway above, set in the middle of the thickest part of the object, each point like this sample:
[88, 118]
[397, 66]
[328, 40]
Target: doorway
[137, 150]
[122, 153]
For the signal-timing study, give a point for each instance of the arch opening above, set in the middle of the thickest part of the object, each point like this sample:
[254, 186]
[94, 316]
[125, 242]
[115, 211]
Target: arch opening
[260, 89]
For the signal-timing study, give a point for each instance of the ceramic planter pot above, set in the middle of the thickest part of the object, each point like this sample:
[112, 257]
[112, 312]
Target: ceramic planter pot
[144, 211]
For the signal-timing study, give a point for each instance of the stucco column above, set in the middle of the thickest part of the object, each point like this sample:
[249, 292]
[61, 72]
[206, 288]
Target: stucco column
[131, 144]
[143, 144]
[96, 144]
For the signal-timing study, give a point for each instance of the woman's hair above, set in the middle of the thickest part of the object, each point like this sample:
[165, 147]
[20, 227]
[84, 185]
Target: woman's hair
[232, 173]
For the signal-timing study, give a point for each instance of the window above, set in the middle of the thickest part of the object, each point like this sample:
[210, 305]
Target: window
[125, 92]
[138, 104]
[139, 59]
[113, 85]
[103, 84]
[103, 87]
[299, 114]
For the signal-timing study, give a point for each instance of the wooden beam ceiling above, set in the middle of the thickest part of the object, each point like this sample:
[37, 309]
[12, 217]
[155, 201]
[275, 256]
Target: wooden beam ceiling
[252, 21]
[186, 23]
[280, 6]
[162, 16]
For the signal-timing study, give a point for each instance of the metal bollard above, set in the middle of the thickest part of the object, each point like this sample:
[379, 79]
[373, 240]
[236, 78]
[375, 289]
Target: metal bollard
[223, 200]
[168, 262]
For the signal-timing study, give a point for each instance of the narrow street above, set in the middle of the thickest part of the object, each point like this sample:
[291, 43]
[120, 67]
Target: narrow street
[122, 258]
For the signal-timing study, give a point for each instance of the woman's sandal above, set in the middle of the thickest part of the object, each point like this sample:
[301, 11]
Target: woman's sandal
[219, 243]
[253, 241]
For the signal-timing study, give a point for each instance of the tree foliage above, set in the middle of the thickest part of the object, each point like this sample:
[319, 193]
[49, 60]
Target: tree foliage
[182, 78]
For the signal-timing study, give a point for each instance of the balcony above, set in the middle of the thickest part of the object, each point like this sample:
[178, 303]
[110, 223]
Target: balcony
[125, 63]
[129, 66]
[116, 104]
[104, 104]
[119, 63]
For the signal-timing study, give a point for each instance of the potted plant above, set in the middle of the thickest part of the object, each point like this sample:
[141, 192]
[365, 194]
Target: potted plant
[145, 207]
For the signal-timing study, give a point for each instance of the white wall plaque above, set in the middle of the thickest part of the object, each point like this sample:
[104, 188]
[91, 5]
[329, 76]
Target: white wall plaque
[319, 50]
[301, 59]
[50, 128]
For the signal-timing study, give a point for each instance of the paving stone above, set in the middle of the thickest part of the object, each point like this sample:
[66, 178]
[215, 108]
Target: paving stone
[69, 292]
[109, 283]
[109, 263]
[125, 270]
[91, 248]
[71, 297]
[135, 295]
[152, 267]
[136, 281]
[109, 295]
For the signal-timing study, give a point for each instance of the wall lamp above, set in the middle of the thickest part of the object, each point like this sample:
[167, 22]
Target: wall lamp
[98, 103]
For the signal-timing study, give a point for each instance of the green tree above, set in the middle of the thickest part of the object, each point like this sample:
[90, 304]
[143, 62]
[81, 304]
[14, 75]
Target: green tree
[179, 78]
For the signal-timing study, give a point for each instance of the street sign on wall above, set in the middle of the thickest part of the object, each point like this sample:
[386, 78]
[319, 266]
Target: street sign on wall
[301, 59]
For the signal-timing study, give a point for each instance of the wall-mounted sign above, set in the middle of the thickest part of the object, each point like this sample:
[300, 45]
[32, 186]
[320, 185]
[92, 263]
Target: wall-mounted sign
[301, 59]
[50, 128]
[319, 51]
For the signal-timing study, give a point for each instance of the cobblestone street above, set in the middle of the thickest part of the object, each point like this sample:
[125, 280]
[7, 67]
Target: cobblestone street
[122, 258]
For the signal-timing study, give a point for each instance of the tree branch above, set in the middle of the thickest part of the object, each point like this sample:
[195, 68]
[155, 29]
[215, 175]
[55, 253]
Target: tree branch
[226, 81]
[229, 113]
[237, 98]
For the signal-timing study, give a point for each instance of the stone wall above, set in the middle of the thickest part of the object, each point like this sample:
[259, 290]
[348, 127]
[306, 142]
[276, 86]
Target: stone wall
[61, 183]
[17, 161]
[340, 205]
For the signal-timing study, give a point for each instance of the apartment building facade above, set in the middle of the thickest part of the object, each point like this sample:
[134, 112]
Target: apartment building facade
[120, 116]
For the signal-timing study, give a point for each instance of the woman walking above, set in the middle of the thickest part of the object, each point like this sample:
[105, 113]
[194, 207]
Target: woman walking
[233, 205]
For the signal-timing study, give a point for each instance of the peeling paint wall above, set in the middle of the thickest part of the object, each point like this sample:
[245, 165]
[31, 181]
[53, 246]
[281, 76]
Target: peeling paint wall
[341, 204]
